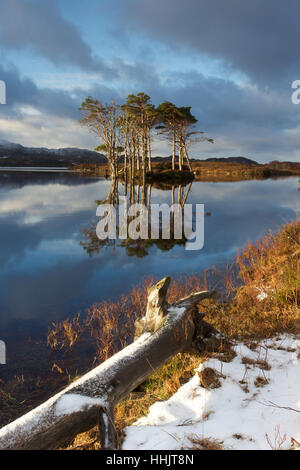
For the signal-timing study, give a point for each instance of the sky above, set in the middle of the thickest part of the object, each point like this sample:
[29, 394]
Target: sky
[234, 62]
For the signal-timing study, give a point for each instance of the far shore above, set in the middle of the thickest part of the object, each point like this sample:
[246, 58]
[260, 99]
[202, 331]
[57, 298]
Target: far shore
[34, 168]
[205, 171]
[162, 174]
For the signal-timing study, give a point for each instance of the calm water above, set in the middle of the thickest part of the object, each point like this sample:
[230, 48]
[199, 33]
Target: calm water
[46, 274]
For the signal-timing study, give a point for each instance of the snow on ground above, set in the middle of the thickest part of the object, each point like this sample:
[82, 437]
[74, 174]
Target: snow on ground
[241, 414]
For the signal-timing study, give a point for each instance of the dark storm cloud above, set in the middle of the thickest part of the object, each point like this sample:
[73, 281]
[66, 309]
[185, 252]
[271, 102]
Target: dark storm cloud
[253, 121]
[60, 103]
[23, 91]
[64, 103]
[220, 103]
[40, 25]
[253, 118]
[257, 37]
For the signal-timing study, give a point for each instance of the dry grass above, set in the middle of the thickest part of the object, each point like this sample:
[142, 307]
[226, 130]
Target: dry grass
[256, 362]
[210, 378]
[111, 323]
[261, 381]
[268, 270]
[278, 440]
[206, 443]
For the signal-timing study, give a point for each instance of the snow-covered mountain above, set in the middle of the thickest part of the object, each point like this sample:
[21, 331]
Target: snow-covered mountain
[12, 154]
[9, 145]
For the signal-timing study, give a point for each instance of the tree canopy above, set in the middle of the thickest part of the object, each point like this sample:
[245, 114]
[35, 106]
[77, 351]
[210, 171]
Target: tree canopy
[129, 128]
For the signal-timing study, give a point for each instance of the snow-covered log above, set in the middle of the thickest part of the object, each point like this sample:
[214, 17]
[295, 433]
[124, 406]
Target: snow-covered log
[165, 331]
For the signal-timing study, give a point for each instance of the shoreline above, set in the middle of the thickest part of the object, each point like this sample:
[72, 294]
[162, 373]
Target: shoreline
[202, 171]
[36, 169]
[162, 174]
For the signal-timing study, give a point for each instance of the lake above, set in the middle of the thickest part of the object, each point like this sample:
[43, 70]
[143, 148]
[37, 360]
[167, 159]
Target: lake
[46, 274]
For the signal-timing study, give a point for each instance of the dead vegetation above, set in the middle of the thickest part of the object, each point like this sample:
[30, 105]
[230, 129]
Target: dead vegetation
[267, 301]
[261, 364]
[204, 443]
[261, 381]
[210, 378]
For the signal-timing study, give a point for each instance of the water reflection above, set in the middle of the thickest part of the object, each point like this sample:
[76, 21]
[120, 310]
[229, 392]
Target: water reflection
[141, 194]
[46, 274]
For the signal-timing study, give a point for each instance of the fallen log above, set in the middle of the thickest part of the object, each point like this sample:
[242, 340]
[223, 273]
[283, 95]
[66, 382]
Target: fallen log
[164, 331]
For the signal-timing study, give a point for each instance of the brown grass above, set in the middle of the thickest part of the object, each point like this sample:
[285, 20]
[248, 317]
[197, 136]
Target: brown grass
[256, 362]
[261, 381]
[210, 378]
[206, 443]
[270, 266]
[111, 323]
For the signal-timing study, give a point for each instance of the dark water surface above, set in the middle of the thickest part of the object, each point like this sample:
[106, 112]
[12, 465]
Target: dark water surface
[46, 274]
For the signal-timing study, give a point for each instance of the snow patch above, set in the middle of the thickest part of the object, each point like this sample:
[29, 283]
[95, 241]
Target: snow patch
[243, 414]
[73, 403]
[262, 296]
[176, 311]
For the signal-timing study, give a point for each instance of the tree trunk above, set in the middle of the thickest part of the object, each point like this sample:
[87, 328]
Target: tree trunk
[187, 158]
[149, 152]
[180, 158]
[165, 331]
[174, 150]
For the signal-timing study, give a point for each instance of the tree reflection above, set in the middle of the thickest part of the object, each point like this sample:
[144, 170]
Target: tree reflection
[138, 194]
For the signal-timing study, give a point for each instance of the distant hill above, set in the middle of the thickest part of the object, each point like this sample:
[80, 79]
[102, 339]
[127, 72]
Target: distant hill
[241, 160]
[285, 165]
[17, 155]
